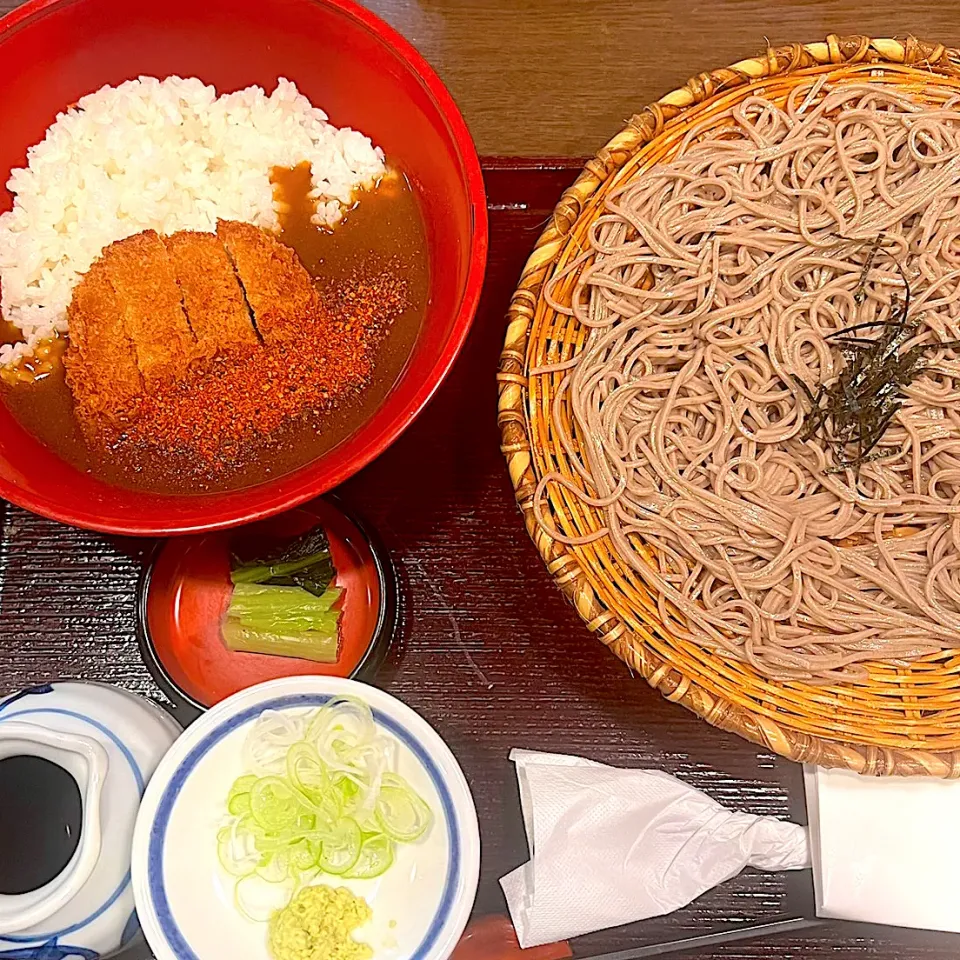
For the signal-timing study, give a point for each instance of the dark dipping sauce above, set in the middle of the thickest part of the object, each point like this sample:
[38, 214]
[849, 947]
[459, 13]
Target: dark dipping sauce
[382, 234]
[41, 814]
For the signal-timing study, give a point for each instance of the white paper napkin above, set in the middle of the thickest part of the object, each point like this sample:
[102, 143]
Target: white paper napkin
[885, 849]
[610, 846]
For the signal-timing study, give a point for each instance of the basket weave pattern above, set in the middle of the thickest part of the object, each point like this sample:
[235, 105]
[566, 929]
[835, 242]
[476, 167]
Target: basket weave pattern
[900, 720]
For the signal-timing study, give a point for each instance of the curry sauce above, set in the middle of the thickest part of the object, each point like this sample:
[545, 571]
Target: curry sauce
[380, 240]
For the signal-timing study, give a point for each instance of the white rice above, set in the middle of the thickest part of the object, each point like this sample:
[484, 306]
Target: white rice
[168, 155]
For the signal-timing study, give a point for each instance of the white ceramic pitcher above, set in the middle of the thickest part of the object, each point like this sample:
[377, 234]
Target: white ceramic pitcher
[86, 761]
[110, 741]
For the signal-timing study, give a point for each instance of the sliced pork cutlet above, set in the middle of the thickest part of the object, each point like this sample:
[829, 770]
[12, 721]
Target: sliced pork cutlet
[142, 276]
[278, 287]
[101, 361]
[212, 296]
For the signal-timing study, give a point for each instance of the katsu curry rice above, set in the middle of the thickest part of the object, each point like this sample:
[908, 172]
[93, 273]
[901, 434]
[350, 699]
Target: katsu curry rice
[219, 290]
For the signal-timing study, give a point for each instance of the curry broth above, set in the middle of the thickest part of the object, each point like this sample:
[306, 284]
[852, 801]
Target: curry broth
[382, 232]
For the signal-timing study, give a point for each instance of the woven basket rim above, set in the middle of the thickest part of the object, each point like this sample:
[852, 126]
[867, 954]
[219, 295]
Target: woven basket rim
[513, 388]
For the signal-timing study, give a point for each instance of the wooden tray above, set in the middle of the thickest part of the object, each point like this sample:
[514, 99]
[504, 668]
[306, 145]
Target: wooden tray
[491, 654]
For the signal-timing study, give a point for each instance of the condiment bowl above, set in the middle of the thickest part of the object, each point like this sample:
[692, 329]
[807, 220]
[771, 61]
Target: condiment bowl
[355, 67]
[185, 901]
[185, 591]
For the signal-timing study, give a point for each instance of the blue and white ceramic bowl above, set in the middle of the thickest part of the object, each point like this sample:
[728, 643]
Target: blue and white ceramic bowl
[186, 902]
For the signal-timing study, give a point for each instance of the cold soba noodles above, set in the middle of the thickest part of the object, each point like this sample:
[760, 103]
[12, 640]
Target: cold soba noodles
[769, 395]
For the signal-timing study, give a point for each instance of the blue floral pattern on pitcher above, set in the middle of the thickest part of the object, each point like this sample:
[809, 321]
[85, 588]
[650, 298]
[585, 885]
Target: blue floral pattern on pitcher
[51, 950]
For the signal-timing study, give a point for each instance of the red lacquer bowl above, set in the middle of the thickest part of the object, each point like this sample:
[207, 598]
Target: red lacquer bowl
[355, 67]
[185, 592]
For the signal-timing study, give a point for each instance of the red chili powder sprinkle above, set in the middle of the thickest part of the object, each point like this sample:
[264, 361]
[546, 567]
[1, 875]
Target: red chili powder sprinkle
[227, 408]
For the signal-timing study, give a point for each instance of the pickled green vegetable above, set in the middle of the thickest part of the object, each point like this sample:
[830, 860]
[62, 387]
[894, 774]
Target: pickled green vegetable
[283, 602]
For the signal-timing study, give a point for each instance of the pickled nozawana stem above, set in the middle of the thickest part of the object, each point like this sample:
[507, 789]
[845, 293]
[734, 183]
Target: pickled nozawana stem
[321, 647]
[283, 601]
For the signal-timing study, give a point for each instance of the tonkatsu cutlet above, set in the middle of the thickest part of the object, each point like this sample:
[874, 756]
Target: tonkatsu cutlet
[152, 307]
[101, 362]
[278, 287]
[212, 295]
[142, 275]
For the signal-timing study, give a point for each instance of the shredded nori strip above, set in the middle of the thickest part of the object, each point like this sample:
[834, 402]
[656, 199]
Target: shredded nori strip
[852, 412]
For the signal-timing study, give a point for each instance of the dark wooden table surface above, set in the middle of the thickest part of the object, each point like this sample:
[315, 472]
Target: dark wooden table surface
[559, 77]
[490, 653]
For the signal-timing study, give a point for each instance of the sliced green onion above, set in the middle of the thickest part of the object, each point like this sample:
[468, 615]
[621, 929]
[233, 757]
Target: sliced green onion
[401, 813]
[342, 848]
[274, 867]
[305, 769]
[258, 899]
[234, 857]
[274, 804]
[323, 798]
[242, 784]
[376, 857]
[302, 856]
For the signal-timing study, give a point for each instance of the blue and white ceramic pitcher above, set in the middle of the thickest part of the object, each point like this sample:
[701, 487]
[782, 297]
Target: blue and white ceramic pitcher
[110, 742]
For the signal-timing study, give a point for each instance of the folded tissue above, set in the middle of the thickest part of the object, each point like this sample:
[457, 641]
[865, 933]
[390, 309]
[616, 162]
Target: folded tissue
[874, 858]
[609, 846]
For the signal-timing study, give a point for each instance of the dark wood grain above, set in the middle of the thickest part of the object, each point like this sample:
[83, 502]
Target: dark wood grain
[560, 77]
[490, 653]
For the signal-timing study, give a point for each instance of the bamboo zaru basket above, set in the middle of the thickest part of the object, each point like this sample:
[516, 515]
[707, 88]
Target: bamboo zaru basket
[900, 719]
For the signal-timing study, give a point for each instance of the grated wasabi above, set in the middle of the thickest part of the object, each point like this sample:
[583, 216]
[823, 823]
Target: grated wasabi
[317, 925]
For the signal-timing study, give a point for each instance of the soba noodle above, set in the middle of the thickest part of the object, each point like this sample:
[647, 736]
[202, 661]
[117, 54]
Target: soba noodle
[710, 284]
